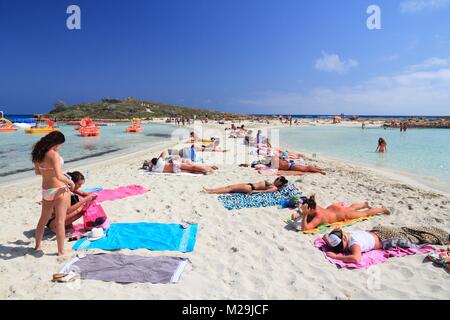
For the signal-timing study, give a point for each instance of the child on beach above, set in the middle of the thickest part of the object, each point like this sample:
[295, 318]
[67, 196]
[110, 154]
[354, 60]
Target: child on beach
[55, 187]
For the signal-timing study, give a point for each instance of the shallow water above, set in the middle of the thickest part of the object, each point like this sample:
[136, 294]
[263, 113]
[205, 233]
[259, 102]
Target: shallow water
[15, 148]
[424, 153]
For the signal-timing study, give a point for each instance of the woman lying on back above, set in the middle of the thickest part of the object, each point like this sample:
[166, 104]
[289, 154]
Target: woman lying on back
[160, 165]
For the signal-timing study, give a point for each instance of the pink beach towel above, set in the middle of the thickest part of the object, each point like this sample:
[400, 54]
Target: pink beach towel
[119, 193]
[372, 257]
[77, 231]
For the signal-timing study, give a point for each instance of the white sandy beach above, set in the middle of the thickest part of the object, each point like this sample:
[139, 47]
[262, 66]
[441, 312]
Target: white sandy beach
[241, 254]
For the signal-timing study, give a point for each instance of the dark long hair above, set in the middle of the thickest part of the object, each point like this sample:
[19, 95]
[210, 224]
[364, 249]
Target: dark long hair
[311, 202]
[76, 176]
[45, 144]
[282, 180]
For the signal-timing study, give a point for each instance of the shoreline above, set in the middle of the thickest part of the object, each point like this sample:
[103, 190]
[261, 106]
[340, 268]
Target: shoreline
[391, 173]
[402, 176]
[89, 163]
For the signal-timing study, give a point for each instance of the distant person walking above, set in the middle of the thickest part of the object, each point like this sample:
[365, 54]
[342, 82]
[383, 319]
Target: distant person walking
[382, 146]
[402, 126]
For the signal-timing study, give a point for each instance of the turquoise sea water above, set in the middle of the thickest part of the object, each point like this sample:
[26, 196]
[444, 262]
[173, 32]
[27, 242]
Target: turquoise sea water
[15, 148]
[423, 153]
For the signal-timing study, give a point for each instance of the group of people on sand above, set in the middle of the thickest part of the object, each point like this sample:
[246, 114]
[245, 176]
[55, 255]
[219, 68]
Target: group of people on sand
[63, 201]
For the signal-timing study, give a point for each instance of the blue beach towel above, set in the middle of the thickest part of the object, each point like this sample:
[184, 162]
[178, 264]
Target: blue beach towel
[144, 235]
[95, 189]
[241, 200]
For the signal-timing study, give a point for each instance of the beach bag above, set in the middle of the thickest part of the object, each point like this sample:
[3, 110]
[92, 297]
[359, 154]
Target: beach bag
[95, 217]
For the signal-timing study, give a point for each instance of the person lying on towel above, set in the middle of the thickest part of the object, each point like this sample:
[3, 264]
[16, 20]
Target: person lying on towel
[176, 166]
[357, 242]
[314, 215]
[249, 188]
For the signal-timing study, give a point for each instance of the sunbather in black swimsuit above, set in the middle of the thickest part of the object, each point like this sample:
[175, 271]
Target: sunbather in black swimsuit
[267, 185]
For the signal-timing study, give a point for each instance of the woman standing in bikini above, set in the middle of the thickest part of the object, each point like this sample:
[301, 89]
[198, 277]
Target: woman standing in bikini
[249, 188]
[333, 213]
[382, 146]
[55, 186]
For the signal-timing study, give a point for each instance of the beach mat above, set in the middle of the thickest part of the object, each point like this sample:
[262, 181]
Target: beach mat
[240, 200]
[120, 193]
[144, 235]
[323, 228]
[122, 268]
[372, 257]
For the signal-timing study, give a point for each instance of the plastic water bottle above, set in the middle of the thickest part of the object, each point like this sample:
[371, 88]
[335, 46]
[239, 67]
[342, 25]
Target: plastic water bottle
[192, 154]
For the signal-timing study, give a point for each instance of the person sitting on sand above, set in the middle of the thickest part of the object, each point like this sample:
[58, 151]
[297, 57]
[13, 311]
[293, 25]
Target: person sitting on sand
[382, 146]
[160, 165]
[77, 206]
[78, 179]
[357, 242]
[74, 212]
[314, 215]
[249, 188]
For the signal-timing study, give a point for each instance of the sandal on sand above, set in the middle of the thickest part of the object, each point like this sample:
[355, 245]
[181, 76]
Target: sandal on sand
[71, 276]
[58, 276]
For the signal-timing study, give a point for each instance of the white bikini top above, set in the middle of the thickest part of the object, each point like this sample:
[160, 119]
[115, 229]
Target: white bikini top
[50, 169]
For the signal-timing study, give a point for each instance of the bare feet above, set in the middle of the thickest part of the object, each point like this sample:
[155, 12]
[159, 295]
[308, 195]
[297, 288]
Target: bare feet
[295, 216]
[68, 251]
[206, 190]
[386, 211]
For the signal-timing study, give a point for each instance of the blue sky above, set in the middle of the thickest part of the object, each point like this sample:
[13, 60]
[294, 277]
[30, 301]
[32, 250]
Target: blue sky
[253, 56]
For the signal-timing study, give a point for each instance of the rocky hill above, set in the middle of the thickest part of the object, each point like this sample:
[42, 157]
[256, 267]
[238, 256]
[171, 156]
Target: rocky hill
[123, 109]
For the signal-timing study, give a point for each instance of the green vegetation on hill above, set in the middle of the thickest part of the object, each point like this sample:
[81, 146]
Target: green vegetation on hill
[117, 109]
